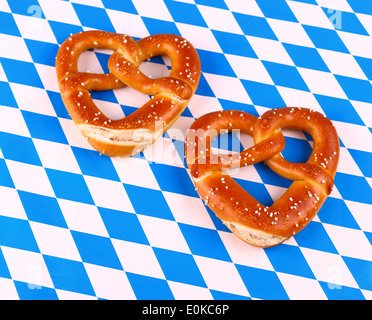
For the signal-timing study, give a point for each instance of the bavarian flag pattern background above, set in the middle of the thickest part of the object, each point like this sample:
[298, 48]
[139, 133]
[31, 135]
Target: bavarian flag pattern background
[75, 224]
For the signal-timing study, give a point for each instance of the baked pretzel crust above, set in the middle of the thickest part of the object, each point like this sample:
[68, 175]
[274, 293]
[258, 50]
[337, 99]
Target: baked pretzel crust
[247, 218]
[130, 135]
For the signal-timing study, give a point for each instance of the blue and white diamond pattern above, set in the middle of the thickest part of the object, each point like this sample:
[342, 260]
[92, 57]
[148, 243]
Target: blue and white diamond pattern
[78, 225]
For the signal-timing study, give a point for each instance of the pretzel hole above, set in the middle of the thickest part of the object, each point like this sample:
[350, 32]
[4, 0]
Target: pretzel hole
[94, 61]
[298, 148]
[230, 142]
[156, 67]
[247, 177]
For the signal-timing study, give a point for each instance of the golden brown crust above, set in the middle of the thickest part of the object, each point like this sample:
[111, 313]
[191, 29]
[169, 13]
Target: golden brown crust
[133, 133]
[244, 215]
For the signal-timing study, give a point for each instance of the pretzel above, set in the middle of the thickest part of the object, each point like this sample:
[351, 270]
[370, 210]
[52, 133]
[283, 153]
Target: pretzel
[247, 218]
[130, 135]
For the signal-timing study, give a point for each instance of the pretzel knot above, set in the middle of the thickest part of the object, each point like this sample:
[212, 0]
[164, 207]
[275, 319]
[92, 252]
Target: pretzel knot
[246, 217]
[130, 135]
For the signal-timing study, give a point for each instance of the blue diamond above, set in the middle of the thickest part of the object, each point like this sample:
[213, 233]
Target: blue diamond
[4, 271]
[254, 26]
[120, 5]
[264, 95]
[306, 57]
[21, 72]
[180, 182]
[96, 250]
[258, 281]
[361, 6]
[294, 262]
[185, 13]
[364, 160]
[180, 267]
[69, 186]
[353, 188]
[42, 52]
[231, 43]
[44, 127]
[17, 233]
[215, 63]
[361, 271]
[42, 209]
[5, 177]
[8, 25]
[62, 31]
[68, 275]
[19, 148]
[155, 26]
[204, 242]
[366, 65]
[314, 236]
[123, 226]
[334, 211]
[143, 200]
[325, 38]
[344, 112]
[148, 288]
[93, 17]
[285, 76]
[93, 164]
[356, 89]
[280, 10]
[7, 97]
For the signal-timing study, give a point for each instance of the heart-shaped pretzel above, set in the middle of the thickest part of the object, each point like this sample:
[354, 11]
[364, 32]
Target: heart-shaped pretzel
[130, 135]
[247, 218]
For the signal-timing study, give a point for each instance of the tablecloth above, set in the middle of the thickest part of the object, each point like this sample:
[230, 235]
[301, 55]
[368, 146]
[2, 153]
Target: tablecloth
[75, 224]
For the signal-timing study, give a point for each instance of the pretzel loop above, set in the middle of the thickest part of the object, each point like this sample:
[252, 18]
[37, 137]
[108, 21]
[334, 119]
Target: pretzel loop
[198, 143]
[242, 214]
[171, 95]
